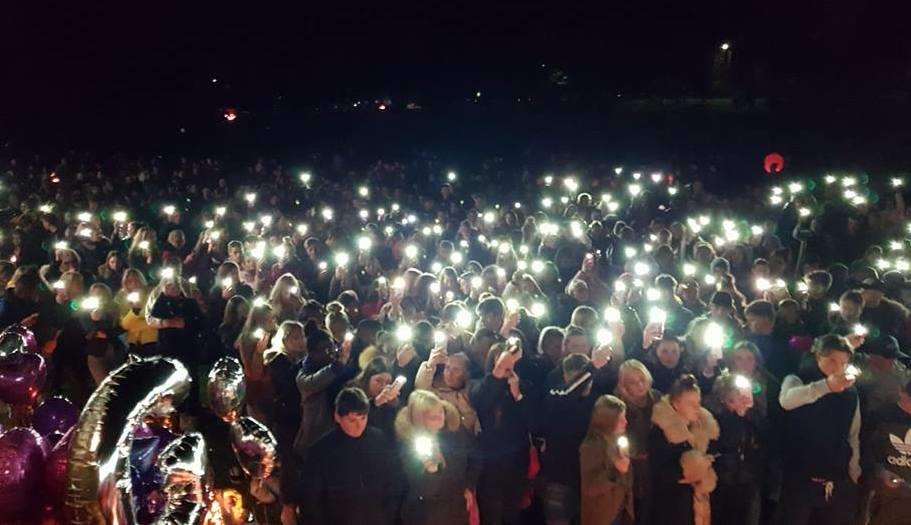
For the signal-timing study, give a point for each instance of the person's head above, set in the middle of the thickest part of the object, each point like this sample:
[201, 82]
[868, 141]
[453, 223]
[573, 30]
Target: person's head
[833, 354]
[176, 238]
[668, 351]
[576, 341]
[686, 398]
[337, 323]
[285, 288]
[585, 317]
[608, 417]
[112, 261]
[491, 313]
[721, 305]
[101, 291]
[319, 344]
[634, 381]
[734, 392]
[374, 377]
[290, 336]
[550, 343]
[572, 366]
[236, 310]
[351, 409]
[873, 290]
[261, 316]
[425, 411]
[455, 373]
[818, 284]
[744, 358]
[25, 283]
[236, 252]
[760, 316]
[788, 312]
[579, 291]
[73, 286]
[851, 306]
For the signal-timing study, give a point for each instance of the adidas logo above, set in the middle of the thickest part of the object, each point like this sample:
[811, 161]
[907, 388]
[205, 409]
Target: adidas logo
[903, 446]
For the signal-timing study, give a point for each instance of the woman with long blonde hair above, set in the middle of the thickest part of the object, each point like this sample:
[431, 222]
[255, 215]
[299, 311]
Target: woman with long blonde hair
[435, 453]
[606, 473]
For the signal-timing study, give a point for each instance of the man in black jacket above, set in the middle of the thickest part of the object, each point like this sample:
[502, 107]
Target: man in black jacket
[886, 459]
[350, 472]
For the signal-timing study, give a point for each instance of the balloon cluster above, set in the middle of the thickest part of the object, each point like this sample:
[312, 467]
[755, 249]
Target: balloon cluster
[107, 464]
[33, 452]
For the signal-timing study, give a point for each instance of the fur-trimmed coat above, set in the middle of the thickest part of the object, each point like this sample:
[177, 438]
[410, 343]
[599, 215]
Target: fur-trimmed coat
[682, 473]
[437, 498]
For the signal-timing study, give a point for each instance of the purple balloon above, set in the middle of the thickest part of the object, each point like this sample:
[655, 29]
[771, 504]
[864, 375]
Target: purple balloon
[21, 378]
[28, 337]
[56, 414]
[22, 456]
[55, 471]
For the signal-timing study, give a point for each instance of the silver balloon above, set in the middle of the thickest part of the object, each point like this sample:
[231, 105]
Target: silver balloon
[255, 447]
[226, 388]
[98, 487]
[184, 465]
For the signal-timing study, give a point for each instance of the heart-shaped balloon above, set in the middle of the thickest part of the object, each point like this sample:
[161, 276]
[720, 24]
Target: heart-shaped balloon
[22, 456]
[56, 414]
[31, 343]
[21, 378]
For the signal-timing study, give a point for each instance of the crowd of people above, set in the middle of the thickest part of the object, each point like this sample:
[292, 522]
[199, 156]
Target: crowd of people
[613, 347]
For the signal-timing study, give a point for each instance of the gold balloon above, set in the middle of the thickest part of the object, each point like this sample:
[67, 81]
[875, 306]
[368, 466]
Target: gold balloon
[98, 487]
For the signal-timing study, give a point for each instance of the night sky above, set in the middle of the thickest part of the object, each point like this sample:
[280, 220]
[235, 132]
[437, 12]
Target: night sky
[95, 64]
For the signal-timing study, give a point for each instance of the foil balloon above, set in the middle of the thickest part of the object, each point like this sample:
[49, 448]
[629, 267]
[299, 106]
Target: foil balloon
[98, 488]
[11, 343]
[184, 465]
[55, 414]
[254, 446]
[226, 388]
[28, 337]
[21, 378]
[22, 456]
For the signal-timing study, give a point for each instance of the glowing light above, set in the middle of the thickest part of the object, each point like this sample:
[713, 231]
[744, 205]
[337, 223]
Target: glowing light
[364, 243]
[725, 46]
[464, 319]
[804, 212]
[623, 443]
[613, 206]
[757, 230]
[629, 252]
[221, 210]
[84, 216]
[90, 303]
[167, 273]
[775, 200]
[489, 217]
[763, 284]
[672, 190]
[476, 282]
[795, 187]
[710, 279]
[227, 282]
[266, 220]
[619, 286]
[657, 315]
[689, 269]
[611, 314]
[404, 333]
[342, 259]
[133, 297]
[635, 190]
[652, 295]
[834, 308]
[306, 177]
[713, 337]
[537, 266]
[571, 184]
[456, 258]
[829, 179]
[250, 198]
[327, 214]
[742, 383]
[896, 245]
[604, 337]
[851, 372]
[436, 267]
[641, 268]
[538, 309]
[451, 176]
[45, 208]
[411, 251]
[657, 177]
[301, 229]
[143, 245]
[859, 329]
[170, 209]
[897, 182]
[58, 285]
[280, 251]
[423, 447]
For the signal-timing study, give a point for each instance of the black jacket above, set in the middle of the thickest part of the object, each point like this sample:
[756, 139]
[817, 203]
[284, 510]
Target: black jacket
[740, 450]
[349, 481]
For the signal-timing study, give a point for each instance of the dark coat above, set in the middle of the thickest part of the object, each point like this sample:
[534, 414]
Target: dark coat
[349, 481]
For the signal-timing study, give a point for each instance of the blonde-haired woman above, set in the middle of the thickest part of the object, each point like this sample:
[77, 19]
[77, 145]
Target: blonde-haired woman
[286, 298]
[132, 300]
[435, 453]
[606, 468]
[251, 346]
[634, 387]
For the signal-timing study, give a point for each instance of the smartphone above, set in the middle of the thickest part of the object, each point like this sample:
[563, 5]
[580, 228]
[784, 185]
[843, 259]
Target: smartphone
[399, 383]
[512, 345]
